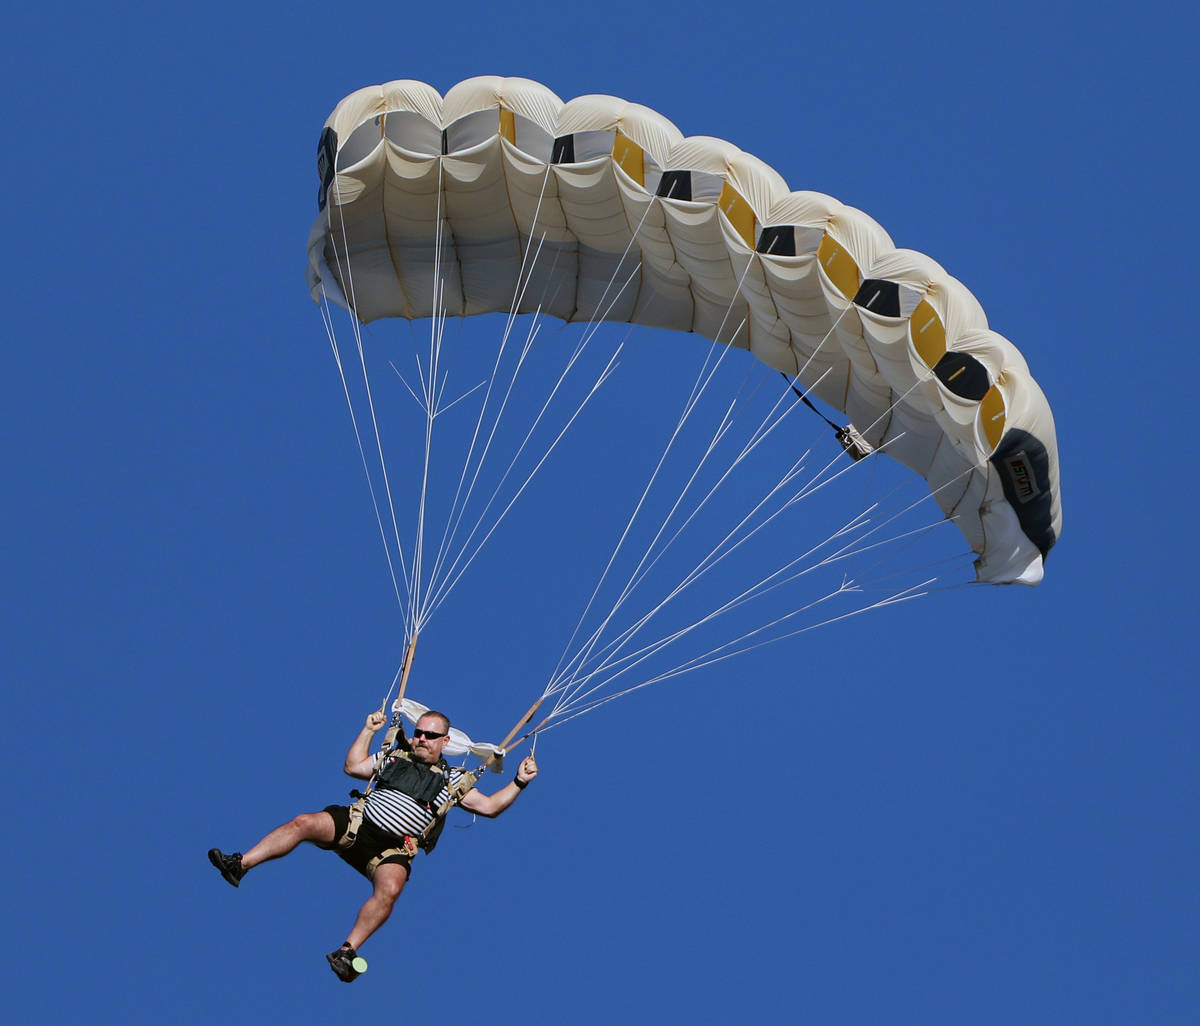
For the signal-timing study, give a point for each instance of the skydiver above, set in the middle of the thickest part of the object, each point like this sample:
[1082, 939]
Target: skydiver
[395, 818]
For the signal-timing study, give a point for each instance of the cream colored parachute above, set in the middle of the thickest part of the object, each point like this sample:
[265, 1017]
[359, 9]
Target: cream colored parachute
[698, 236]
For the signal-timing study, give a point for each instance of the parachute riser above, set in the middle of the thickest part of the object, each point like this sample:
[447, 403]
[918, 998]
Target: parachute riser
[407, 668]
[389, 739]
[521, 722]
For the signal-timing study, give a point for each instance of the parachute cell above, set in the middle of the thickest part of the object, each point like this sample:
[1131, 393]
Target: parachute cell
[633, 222]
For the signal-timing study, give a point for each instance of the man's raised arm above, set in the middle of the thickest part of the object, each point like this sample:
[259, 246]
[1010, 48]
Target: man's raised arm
[360, 762]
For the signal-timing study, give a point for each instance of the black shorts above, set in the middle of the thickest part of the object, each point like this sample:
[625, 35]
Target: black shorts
[369, 843]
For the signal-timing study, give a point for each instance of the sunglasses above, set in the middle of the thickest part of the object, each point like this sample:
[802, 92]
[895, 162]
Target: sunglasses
[428, 735]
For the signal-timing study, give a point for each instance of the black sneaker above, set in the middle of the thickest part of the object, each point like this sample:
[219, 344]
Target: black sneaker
[229, 865]
[347, 963]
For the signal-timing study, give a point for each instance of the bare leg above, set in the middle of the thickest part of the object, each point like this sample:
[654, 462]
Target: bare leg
[311, 826]
[389, 881]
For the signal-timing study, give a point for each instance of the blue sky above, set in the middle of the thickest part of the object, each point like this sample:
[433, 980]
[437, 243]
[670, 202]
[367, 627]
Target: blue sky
[977, 808]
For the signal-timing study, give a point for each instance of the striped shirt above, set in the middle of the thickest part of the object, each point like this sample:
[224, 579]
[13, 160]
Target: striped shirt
[400, 814]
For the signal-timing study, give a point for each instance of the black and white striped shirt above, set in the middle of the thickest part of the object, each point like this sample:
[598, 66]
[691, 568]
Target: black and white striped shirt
[400, 814]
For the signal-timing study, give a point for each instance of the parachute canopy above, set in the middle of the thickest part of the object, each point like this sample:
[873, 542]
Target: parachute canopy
[432, 204]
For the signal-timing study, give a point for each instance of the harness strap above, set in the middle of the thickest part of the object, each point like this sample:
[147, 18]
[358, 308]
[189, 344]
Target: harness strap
[457, 790]
[408, 848]
[354, 821]
[389, 739]
[350, 835]
[356, 810]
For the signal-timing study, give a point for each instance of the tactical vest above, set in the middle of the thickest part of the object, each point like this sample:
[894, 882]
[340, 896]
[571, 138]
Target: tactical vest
[417, 780]
[421, 783]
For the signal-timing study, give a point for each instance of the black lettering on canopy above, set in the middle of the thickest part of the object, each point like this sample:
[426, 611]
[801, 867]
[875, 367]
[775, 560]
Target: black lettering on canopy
[1028, 492]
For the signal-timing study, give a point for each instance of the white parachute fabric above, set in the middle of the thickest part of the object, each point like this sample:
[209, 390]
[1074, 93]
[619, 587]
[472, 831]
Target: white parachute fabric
[600, 209]
[459, 743]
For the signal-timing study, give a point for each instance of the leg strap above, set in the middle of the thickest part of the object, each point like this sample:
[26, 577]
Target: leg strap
[356, 817]
[409, 848]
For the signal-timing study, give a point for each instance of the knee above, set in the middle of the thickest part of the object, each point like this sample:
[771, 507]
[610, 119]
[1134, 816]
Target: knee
[312, 826]
[388, 893]
[387, 889]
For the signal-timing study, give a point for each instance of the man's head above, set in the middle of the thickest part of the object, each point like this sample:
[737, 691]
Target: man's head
[430, 736]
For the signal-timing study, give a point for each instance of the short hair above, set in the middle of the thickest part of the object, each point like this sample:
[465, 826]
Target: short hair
[440, 715]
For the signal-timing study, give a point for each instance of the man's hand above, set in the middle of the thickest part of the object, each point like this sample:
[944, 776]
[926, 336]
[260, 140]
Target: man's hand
[359, 763]
[527, 770]
[493, 804]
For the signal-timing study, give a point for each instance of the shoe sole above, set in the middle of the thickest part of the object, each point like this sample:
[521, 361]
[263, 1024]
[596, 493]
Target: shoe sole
[358, 966]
